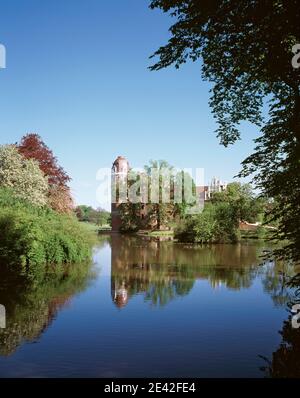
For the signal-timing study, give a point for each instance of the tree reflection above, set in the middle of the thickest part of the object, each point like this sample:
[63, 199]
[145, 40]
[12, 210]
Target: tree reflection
[285, 361]
[275, 280]
[31, 308]
[163, 271]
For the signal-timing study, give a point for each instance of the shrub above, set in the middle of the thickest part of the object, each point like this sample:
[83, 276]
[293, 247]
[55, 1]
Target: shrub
[216, 224]
[32, 239]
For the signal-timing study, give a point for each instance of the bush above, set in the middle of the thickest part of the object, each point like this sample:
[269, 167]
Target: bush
[32, 239]
[216, 224]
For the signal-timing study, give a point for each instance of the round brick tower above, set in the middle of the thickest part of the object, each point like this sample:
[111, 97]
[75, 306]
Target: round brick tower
[119, 172]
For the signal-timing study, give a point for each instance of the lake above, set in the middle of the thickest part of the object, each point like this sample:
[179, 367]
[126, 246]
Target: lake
[150, 308]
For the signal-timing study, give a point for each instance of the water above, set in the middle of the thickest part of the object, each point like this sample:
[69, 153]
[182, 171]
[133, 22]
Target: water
[154, 309]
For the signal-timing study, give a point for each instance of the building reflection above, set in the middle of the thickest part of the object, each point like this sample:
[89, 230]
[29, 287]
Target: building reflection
[119, 293]
[162, 271]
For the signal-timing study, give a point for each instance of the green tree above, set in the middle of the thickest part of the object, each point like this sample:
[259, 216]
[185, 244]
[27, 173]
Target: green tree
[246, 52]
[188, 198]
[95, 216]
[103, 217]
[161, 212]
[216, 224]
[130, 214]
[246, 206]
[23, 176]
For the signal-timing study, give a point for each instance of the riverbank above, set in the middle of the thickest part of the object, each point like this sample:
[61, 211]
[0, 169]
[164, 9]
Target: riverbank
[257, 234]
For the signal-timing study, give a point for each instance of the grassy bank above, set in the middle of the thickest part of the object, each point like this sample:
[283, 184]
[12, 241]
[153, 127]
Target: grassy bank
[156, 234]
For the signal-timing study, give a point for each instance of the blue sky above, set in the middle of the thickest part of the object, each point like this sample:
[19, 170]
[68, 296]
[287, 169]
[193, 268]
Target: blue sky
[77, 75]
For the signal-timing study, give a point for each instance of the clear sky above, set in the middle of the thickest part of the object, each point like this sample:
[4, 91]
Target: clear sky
[77, 75]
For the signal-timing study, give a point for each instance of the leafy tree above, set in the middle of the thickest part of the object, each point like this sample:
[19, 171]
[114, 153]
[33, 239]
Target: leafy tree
[23, 176]
[184, 179]
[83, 212]
[246, 52]
[246, 206]
[60, 199]
[33, 147]
[216, 224]
[130, 214]
[88, 214]
[164, 213]
[160, 213]
[165, 209]
[104, 217]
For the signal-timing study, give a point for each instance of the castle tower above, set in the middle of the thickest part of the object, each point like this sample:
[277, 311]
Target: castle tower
[119, 172]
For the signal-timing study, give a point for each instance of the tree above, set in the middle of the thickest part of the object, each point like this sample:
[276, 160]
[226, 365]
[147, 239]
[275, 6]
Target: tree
[246, 206]
[33, 147]
[83, 212]
[130, 214]
[60, 199]
[88, 214]
[217, 223]
[162, 206]
[160, 213]
[103, 218]
[246, 51]
[22, 176]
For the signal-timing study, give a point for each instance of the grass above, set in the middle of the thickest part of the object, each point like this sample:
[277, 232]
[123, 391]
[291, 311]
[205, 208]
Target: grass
[157, 233]
[91, 227]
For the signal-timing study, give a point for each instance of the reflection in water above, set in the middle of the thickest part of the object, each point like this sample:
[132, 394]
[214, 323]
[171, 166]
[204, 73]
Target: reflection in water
[190, 341]
[30, 309]
[163, 271]
[285, 361]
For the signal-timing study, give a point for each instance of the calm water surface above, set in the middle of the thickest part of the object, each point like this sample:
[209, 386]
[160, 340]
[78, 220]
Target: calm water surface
[156, 309]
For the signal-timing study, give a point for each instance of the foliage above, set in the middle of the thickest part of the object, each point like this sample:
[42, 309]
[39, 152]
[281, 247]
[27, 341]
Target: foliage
[31, 307]
[59, 196]
[130, 214]
[98, 216]
[219, 222]
[33, 239]
[33, 147]
[246, 206]
[60, 199]
[160, 213]
[22, 175]
[216, 224]
[246, 51]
